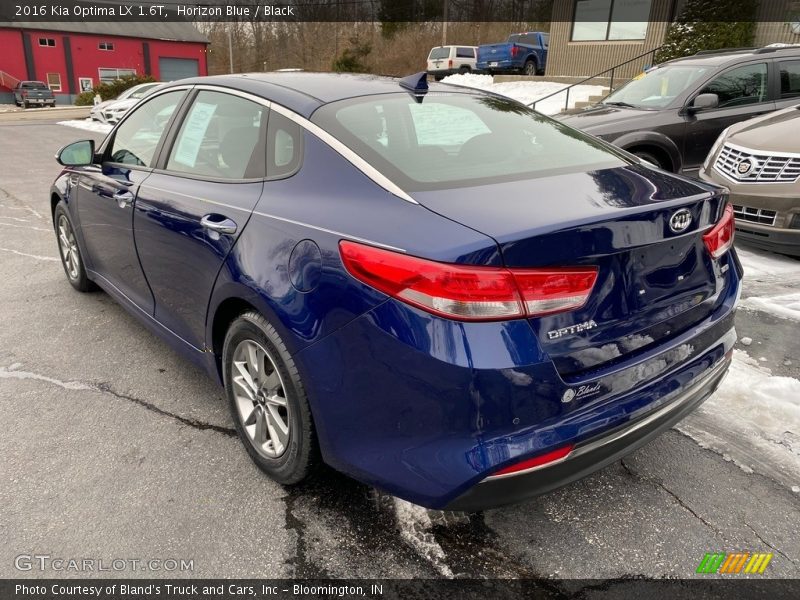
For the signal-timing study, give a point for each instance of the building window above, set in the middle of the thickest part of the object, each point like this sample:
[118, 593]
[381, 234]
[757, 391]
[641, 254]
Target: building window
[85, 84]
[610, 20]
[54, 81]
[109, 75]
[106, 45]
[47, 42]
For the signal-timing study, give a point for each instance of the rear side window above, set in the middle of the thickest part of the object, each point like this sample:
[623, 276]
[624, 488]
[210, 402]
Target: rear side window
[459, 139]
[222, 137]
[284, 146]
[740, 86]
[137, 138]
[790, 78]
[465, 53]
[439, 53]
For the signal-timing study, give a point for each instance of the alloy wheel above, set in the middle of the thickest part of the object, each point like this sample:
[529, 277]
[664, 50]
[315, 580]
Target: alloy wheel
[69, 248]
[260, 399]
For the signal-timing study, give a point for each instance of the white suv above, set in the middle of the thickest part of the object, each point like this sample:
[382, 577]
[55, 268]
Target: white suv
[447, 60]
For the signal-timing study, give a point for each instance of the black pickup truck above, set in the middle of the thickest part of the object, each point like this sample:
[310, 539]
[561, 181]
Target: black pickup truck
[33, 93]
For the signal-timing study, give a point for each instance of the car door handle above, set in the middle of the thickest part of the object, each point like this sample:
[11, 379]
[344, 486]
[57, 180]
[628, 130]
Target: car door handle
[219, 223]
[124, 198]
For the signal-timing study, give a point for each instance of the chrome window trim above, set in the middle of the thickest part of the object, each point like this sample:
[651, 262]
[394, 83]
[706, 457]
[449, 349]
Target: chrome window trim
[340, 148]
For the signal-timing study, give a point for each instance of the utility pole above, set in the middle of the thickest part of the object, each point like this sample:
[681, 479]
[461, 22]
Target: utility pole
[230, 49]
[444, 22]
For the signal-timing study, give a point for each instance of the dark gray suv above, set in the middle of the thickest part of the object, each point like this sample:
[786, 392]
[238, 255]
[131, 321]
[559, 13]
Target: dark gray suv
[671, 115]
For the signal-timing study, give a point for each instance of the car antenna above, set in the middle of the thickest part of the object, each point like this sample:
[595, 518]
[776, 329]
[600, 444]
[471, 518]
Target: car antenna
[417, 84]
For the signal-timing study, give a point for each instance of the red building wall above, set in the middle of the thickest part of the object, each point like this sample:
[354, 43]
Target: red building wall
[12, 56]
[88, 58]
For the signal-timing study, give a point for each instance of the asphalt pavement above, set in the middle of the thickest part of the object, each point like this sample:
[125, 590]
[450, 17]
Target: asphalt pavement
[113, 447]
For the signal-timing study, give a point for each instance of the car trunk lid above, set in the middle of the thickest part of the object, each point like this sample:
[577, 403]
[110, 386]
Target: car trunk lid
[653, 282]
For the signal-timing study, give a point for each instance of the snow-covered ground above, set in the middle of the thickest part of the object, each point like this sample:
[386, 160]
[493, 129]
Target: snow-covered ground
[88, 125]
[528, 91]
[754, 417]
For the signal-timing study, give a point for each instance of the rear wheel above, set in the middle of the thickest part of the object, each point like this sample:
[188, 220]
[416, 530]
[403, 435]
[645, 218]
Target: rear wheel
[530, 67]
[464, 70]
[267, 400]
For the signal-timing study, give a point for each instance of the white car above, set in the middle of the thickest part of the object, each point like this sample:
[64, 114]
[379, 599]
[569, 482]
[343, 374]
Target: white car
[448, 60]
[111, 111]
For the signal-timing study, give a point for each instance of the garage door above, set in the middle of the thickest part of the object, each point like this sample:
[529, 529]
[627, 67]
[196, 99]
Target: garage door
[178, 68]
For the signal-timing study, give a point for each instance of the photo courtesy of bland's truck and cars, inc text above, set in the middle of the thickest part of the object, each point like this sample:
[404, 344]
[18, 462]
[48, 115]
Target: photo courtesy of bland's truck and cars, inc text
[400, 299]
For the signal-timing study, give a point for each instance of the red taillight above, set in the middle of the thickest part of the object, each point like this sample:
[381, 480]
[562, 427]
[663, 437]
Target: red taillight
[514, 50]
[468, 293]
[536, 462]
[24, 93]
[720, 239]
[450, 64]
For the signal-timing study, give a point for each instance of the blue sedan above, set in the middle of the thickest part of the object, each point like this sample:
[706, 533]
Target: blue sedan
[432, 289]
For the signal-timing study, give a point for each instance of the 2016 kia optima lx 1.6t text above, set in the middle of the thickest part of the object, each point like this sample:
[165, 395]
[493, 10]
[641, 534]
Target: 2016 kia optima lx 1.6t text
[434, 290]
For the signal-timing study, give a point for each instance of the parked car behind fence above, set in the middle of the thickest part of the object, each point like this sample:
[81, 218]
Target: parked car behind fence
[449, 60]
[672, 115]
[524, 53]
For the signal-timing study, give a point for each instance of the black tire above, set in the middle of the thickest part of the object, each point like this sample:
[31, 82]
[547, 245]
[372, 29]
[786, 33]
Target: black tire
[651, 158]
[438, 77]
[530, 68]
[301, 454]
[77, 275]
[25, 104]
[464, 70]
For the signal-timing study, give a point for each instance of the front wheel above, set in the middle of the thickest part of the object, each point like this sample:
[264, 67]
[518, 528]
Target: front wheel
[651, 158]
[69, 251]
[267, 400]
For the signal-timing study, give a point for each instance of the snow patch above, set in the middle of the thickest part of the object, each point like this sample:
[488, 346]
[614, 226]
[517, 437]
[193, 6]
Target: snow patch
[415, 526]
[529, 91]
[753, 420]
[766, 266]
[88, 125]
[786, 306]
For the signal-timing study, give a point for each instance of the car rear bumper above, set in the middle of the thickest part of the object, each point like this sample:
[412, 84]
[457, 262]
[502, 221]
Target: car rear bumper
[427, 408]
[783, 241]
[594, 453]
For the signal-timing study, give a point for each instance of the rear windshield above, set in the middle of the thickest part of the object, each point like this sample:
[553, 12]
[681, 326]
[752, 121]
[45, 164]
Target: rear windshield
[459, 139]
[33, 85]
[439, 53]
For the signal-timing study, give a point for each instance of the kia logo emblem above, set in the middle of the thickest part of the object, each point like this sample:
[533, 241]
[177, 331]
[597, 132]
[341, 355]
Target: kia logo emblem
[680, 220]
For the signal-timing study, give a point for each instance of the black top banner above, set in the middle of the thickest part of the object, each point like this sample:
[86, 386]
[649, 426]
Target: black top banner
[33, 11]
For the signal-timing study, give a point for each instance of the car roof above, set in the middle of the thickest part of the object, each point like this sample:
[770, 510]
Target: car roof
[723, 59]
[304, 92]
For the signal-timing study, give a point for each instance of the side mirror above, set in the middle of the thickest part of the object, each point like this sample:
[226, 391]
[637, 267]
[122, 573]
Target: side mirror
[76, 154]
[704, 101]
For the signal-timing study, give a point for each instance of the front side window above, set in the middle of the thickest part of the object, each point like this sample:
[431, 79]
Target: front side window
[659, 87]
[790, 78]
[608, 20]
[137, 138]
[222, 137]
[459, 139]
[739, 86]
